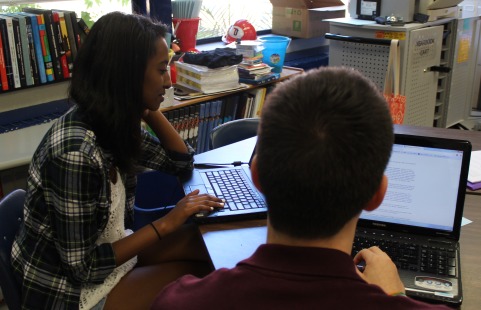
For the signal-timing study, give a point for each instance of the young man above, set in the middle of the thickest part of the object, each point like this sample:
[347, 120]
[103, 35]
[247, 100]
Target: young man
[324, 141]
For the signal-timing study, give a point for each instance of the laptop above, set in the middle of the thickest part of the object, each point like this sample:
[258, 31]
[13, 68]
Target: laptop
[419, 222]
[234, 185]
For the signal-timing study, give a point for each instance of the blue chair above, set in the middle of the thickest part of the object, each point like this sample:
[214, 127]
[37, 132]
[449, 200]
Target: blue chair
[233, 131]
[11, 216]
[156, 194]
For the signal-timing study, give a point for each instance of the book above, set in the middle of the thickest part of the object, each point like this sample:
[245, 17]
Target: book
[230, 108]
[201, 131]
[25, 46]
[37, 45]
[183, 115]
[7, 55]
[241, 105]
[71, 25]
[76, 30]
[3, 65]
[12, 51]
[83, 29]
[63, 34]
[210, 124]
[195, 134]
[53, 42]
[58, 36]
[259, 97]
[34, 63]
[47, 55]
[249, 105]
[191, 125]
[262, 80]
[474, 186]
[175, 120]
[22, 71]
[218, 112]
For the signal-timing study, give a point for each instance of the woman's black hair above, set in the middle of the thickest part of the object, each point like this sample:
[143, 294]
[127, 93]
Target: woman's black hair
[107, 81]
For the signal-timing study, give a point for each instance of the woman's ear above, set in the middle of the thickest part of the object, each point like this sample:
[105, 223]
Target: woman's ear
[378, 196]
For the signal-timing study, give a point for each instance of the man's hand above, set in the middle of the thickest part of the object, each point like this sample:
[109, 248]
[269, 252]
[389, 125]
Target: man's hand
[379, 270]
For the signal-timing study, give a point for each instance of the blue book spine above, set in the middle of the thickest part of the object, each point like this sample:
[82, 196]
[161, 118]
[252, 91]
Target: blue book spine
[218, 119]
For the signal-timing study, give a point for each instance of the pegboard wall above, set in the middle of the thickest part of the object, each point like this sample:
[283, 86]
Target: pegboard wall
[370, 59]
[363, 49]
[420, 89]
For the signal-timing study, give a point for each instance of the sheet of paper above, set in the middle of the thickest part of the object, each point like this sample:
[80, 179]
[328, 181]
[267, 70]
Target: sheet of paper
[465, 221]
[474, 174]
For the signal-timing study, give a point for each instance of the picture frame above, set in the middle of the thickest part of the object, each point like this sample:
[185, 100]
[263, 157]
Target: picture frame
[368, 9]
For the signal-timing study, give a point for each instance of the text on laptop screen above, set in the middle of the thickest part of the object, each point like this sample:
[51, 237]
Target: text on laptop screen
[422, 187]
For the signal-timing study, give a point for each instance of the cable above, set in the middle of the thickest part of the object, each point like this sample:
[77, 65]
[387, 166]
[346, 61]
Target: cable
[217, 165]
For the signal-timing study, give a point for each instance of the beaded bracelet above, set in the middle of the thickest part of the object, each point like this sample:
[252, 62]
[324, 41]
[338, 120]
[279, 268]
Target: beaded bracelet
[156, 231]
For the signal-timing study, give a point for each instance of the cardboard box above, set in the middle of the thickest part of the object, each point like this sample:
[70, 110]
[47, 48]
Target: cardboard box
[304, 18]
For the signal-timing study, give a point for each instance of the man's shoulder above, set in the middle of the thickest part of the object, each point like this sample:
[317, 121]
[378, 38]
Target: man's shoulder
[190, 292]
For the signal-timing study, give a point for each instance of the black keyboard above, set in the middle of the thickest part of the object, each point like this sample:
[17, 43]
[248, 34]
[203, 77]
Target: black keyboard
[231, 186]
[408, 255]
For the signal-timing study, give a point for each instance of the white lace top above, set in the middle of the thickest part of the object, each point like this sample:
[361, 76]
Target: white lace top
[91, 294]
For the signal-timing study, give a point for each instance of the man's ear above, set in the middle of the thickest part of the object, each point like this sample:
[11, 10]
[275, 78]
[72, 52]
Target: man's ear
[255, 174]
[378, 196]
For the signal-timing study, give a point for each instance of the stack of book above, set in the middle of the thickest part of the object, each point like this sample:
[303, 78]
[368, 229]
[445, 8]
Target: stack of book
[256, 74]
[37, 46]
[252, 70]
[206, 80]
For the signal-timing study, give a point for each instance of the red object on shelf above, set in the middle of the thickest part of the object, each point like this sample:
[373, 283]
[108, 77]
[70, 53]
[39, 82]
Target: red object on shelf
[186, 32]
[173, 72]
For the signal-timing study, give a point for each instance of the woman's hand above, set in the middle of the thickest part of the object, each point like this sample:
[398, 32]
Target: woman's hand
[188, 206]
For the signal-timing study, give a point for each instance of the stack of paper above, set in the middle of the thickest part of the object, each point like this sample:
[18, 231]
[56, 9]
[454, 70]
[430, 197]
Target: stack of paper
[474, 175]
[207, 80]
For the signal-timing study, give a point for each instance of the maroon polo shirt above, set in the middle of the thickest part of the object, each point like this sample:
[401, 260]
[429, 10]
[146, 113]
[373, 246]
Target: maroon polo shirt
[284, 277]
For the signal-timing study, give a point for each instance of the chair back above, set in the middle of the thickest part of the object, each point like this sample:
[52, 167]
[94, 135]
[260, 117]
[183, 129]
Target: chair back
[11, 216]
[233, 131]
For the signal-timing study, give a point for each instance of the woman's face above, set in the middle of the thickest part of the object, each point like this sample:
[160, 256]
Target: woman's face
[157, 78]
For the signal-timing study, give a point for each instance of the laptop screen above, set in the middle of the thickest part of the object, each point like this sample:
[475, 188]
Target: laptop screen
[424, 185]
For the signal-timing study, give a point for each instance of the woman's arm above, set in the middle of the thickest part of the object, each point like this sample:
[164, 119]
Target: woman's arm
[193, 203]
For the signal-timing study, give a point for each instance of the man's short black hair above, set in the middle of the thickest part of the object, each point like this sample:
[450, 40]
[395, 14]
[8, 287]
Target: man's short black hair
[324, 142]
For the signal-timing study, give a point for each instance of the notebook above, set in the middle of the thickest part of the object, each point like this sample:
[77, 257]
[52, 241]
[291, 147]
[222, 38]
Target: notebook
[419, 220]
[234, 184]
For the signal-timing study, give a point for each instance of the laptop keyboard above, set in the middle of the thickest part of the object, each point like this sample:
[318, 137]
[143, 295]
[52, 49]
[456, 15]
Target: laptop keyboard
[410, 256]
[231, 186]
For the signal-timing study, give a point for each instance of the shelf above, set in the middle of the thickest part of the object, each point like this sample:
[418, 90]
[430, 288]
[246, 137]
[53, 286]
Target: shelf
[286, 73]
[30, 96]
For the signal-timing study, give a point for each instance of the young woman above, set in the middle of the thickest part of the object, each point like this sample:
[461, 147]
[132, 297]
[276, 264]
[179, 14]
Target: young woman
[74, 251]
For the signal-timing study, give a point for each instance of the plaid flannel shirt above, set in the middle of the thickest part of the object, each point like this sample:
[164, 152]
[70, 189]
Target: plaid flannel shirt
[67, 207]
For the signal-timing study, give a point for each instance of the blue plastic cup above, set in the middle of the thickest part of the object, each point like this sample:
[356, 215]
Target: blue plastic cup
[274, 51]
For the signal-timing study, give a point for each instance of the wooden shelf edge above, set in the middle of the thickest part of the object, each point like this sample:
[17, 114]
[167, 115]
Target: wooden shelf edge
[286, 73]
